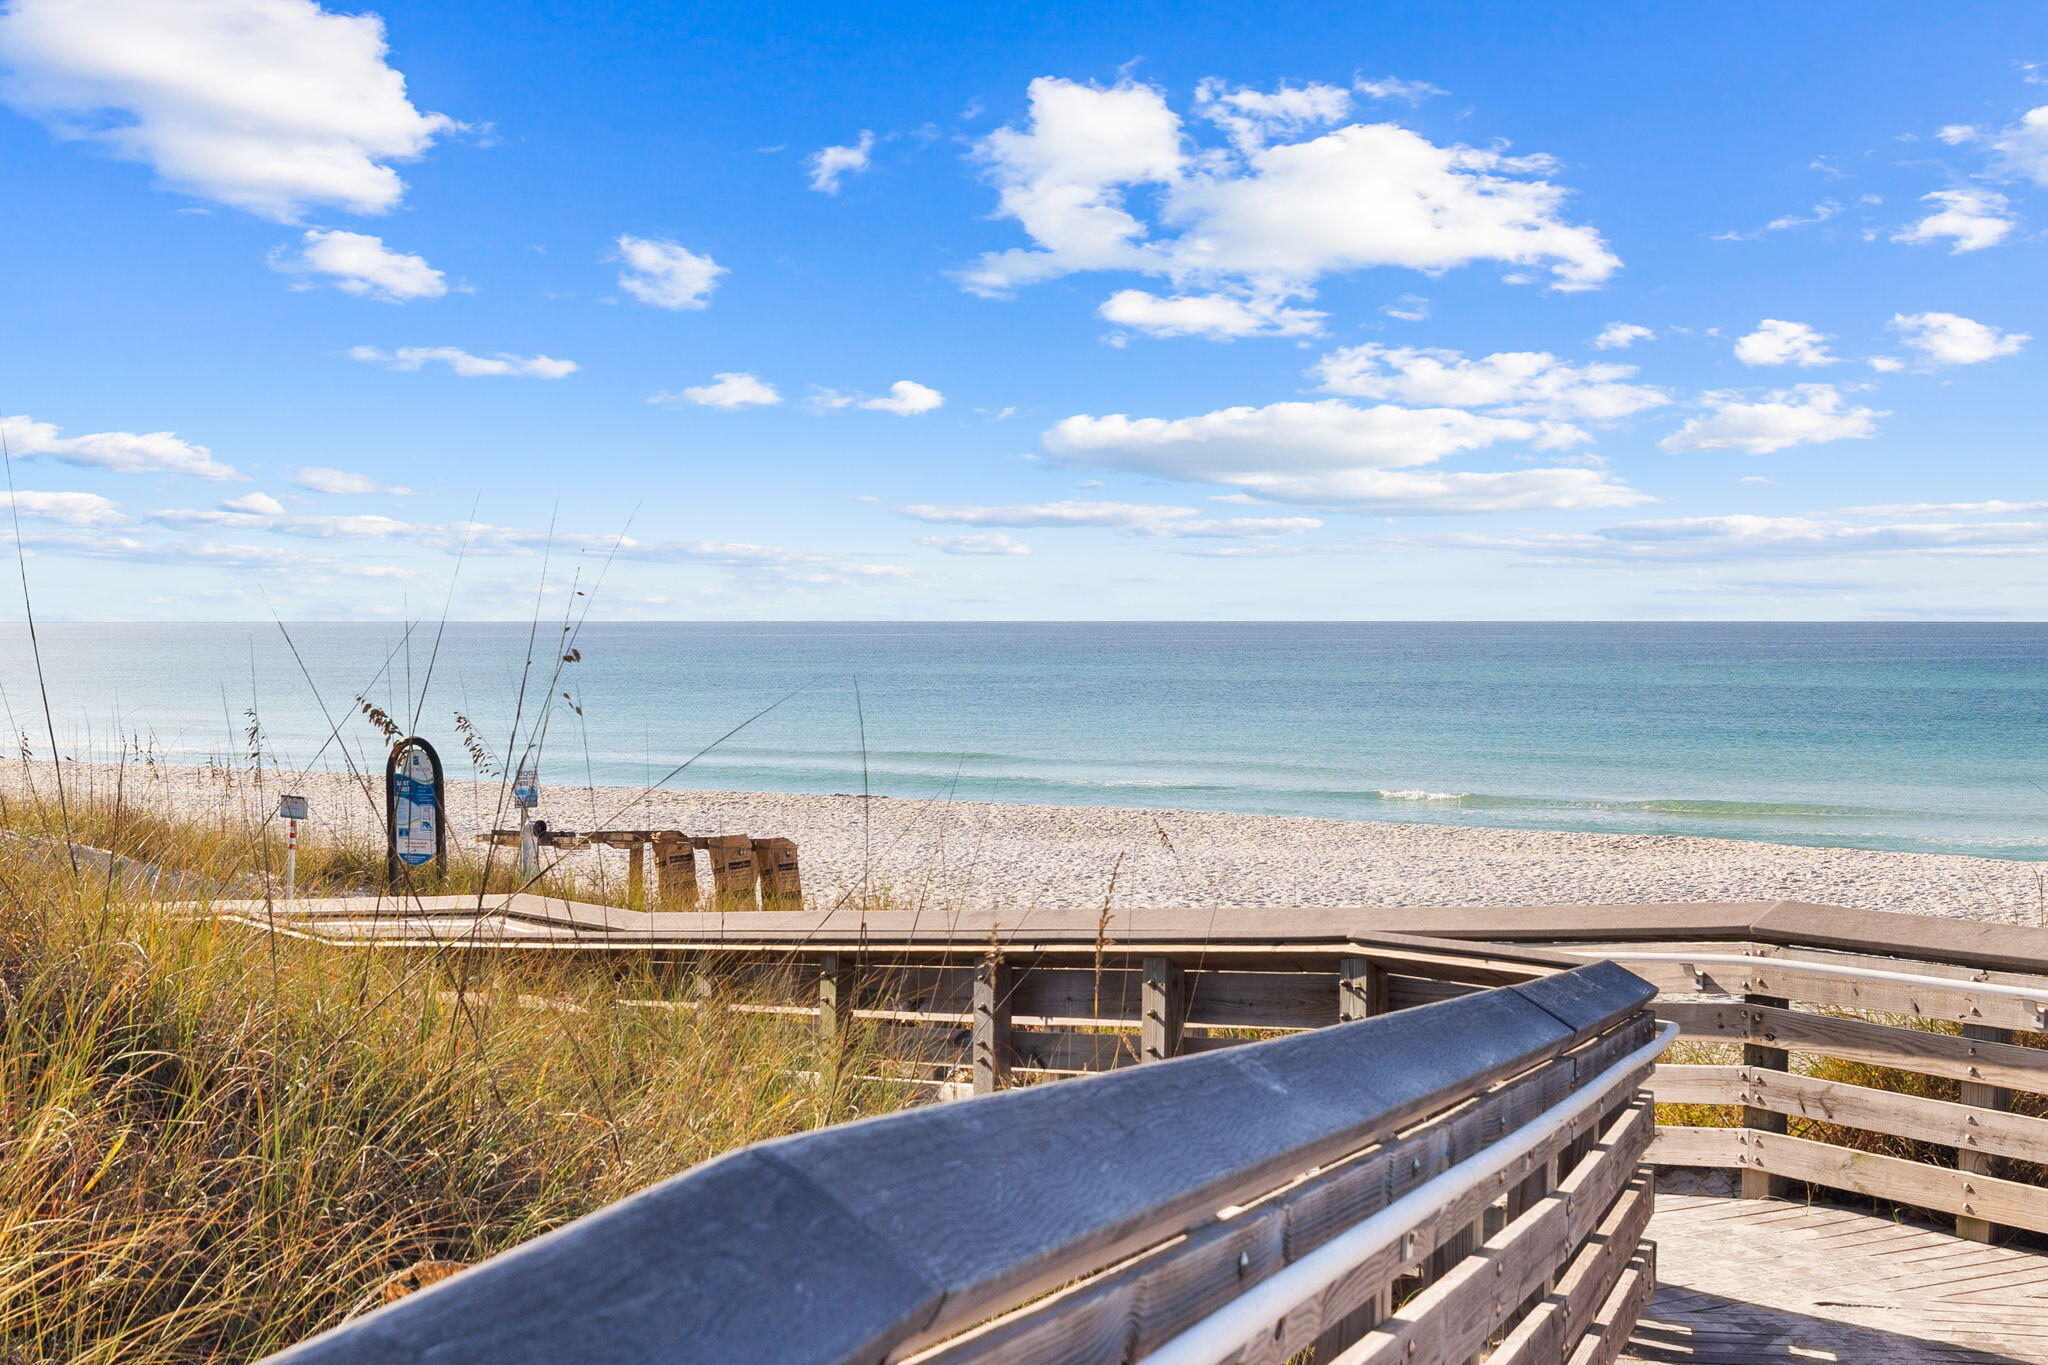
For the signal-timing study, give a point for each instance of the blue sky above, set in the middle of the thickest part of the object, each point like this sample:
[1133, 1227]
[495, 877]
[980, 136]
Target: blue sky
[1391, 311]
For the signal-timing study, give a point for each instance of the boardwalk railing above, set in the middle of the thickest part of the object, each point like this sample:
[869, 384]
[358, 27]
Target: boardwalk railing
[1407, 1187]
[1879, 1054]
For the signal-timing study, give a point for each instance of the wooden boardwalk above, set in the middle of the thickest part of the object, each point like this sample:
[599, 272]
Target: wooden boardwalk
[1749, 1281]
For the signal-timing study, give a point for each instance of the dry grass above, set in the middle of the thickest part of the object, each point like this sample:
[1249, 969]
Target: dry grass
[213, 1144]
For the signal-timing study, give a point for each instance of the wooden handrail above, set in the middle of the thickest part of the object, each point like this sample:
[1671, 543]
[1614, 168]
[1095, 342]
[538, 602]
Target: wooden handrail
[861, 1242]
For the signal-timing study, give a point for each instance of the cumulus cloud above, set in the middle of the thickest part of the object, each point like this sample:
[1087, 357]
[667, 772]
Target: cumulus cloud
[666, 274]
[2021, 150]
[1619, 336]
[829, 165]
[357, 263]
[1137, 518]
[261, 503]
[1777, 342]
[272, 106]
[64, 509]
[124, 452]
[1261, 220]
[984, 543]
[1806, 414]
[907, 398]
[1217, 317]
[1332, 453]
[729, 389]
[465, 364]
[1511, 383]
[320, 479]
[1971, 219]
[1949, 339]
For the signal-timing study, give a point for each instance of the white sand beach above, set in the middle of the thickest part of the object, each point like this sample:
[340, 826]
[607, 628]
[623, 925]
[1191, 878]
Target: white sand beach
[989, 854]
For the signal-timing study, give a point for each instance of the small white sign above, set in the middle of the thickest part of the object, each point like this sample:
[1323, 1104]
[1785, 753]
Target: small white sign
[526, 788]
[291, 807]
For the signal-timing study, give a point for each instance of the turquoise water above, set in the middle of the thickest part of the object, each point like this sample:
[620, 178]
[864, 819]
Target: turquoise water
[1925, 737]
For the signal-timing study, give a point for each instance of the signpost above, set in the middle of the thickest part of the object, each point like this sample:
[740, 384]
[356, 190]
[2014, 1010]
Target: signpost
[526, 795]
[414, 813]
[291, 809]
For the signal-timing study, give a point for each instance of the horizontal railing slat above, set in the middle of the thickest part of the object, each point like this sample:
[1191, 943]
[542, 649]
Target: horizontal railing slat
[1863, 1040]
[1992, 1131]
[1549, 1331]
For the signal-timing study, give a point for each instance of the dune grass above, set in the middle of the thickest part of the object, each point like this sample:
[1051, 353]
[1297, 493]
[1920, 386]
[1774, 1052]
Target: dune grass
[213, 1143]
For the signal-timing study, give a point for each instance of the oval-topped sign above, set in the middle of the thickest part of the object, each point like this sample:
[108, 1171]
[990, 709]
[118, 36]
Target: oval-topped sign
[413, 805]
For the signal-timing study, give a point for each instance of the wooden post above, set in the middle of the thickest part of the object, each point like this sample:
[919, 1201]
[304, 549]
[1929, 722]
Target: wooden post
[835, 1014]
[1162, 1010]
[782, 887]
[675, 872]
[732, 870]
[636, 875]
[1758, 1184]
[1969, 1160]
[991, 1025]
[1361, 989]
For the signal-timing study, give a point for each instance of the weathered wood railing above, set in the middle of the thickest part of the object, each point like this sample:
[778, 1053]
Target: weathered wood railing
[1408, 1187]
[1800, 989]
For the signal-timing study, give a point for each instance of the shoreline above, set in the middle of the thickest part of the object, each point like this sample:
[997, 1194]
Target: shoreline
[934, 851]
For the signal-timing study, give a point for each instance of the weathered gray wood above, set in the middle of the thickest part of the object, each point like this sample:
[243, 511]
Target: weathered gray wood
[1164, 1007]
[1862, 1040]
[1361, 988]
[1076, 995]
[1549, 1331]
[1758, 1184]
[1971, 1157]
[1608, 1335]
[836, 993]
[1988, 1131]
[992, 1030]
[1455, 1317]
[911, 1225]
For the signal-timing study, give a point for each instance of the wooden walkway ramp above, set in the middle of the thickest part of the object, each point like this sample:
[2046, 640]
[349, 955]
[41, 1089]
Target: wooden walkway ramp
[1747, 1281]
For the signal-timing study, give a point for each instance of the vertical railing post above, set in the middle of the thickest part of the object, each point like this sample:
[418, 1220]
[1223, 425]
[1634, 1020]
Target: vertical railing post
[1759, 1184]
[636, 875]
[1970, 1160]
[991, 1043]
[1162, 1010]
[835, 1015]
[1361, 989]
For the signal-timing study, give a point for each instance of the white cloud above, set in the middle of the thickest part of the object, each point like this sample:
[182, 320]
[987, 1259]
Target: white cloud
[267, 105]
[1512, 383]
[830, 164]
[1252, 118]
[1806, 414]
[465, 364]
[1914, 509]
[319, 479]
[1336, 454]
[729, 389]
[1218, 317]
[986, 543]
[1777, 342]
[65, 509]
[1262, 221]
[2022, 149]
[1744, 537]
[357, 263]
[907, 398]
[125, 452]
[666, 274]
[1391, 88]
[1142, 519]
[261, 503]
[1948, 339]
[1619, 336]
[1972, 219]
[1407, 308]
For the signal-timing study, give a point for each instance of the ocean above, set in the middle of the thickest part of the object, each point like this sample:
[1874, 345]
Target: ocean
[1921, 737]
